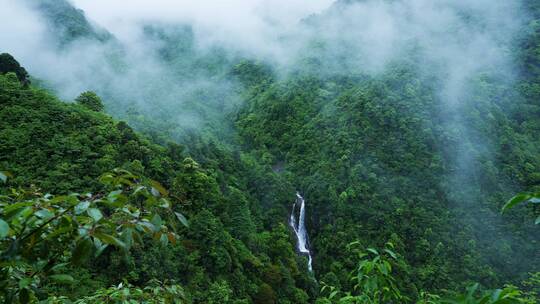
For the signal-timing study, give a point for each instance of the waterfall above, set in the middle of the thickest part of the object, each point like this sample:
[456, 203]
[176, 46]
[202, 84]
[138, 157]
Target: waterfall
[300, 228]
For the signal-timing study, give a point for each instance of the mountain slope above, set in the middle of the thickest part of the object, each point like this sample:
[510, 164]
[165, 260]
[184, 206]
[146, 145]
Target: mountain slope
[63, 147]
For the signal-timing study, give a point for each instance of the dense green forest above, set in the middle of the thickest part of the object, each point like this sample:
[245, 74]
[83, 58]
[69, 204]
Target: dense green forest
[179, 190]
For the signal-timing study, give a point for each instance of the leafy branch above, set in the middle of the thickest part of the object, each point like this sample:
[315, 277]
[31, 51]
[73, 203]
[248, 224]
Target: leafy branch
[42, 234]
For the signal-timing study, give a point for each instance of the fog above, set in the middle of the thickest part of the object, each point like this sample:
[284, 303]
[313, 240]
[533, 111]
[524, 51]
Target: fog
[457, 39]
[169, 61]
[251, 26]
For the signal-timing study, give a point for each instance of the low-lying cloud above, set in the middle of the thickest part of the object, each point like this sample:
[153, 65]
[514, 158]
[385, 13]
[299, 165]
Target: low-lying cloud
[251, 26]
[455, 39]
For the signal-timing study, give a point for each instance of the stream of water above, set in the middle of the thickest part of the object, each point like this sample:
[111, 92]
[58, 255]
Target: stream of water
[297, 223]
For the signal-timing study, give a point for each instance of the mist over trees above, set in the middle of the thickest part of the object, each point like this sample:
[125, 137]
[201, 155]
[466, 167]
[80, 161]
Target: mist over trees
[152, 151]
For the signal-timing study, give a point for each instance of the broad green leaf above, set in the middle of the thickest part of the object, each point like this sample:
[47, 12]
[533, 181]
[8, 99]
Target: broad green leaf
[156, 220]
[496, 295]
[106, 179]
[516, 200]
[164, 203]
[138, 189]
[471, 290]
[26, 212]
[58, 267]
[44, 214]
[58, 199]
[111, 240]
[62, 278]
[13, 210]
[25, 282]
[373, 251]
[382, 268]
[82, 231]
[95, 214]
[537, 220]
[124, 172]
[4, 229]
[146, 227]
[353, 244]
[117, 201]
[125, 181]
[164, 240]
[388, 266]
[81, 207]
[182, 218]
[391, 253]
[112, 197]
[3, 176]
[100, 247]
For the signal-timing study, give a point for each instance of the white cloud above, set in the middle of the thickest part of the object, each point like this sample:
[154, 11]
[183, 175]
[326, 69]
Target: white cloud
[459, 37]
[247, 25]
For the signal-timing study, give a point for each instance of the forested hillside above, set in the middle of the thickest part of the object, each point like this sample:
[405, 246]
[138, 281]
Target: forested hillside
[170, 175]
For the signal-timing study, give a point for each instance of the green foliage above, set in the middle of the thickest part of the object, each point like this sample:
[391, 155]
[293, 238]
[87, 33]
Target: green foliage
[41, 235]
[65, 147]
[376, 283]
[508, 295]
[90, 100]
[533, 198]
[377, 157]
[227, 248]
[154, 293]
[9, 64]
[4, 176]
[373, 279]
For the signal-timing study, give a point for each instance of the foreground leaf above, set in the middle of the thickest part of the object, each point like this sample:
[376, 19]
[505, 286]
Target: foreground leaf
[111, 240]
[182, 218]
[62, 278]
[520, 198]
[95, 214]
[4, 229]
[3, 176]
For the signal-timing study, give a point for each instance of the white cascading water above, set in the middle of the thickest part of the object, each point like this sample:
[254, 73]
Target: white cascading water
[300, 228]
